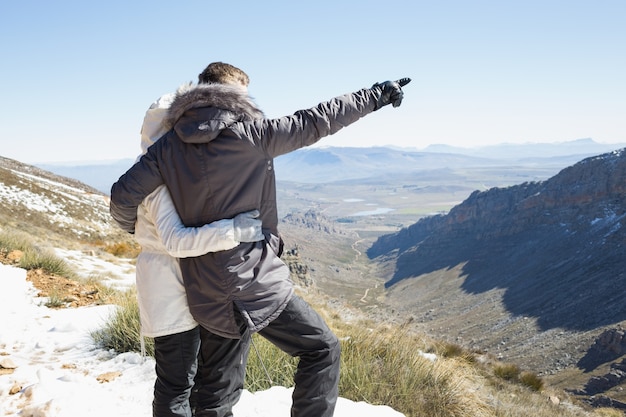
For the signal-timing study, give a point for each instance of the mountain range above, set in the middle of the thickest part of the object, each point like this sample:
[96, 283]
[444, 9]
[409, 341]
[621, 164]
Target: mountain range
[333, 164]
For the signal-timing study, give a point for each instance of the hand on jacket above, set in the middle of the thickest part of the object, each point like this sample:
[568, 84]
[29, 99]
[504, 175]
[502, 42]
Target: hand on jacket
[248, 227]
[391, 92]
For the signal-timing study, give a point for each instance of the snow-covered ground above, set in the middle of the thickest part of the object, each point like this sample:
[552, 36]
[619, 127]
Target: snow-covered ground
[57, 370]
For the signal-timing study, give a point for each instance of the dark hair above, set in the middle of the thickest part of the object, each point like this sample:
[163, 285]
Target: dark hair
[222, 73]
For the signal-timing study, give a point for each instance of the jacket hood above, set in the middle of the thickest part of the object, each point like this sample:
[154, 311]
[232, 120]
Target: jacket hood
[199, 112]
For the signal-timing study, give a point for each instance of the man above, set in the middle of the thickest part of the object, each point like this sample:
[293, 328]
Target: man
[163, 310]
[217, 161]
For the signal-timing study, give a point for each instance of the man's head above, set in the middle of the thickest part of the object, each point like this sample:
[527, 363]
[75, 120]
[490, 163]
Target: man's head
[222, 73]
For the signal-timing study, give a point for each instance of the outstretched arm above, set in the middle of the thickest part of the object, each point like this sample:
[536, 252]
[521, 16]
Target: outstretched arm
[305, 127]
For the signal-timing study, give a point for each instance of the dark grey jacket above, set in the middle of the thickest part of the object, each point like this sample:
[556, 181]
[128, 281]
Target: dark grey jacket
[217, 161]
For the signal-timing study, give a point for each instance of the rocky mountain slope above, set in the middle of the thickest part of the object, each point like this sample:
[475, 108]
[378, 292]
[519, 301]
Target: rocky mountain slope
[532, 272]
[52, 207]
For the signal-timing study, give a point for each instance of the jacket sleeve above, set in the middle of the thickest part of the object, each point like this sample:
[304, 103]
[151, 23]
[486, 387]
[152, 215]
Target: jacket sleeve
[181, 241]
[131, 189]
[305, 127]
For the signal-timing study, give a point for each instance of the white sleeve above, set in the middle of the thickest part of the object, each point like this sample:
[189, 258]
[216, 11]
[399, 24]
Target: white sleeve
[181, 241]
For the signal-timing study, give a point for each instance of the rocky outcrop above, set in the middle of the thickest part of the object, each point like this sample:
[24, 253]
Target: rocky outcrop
[597, 389]
[598, 384]
[602, 401]
[298, 269]
[314, 221]
[610, 345]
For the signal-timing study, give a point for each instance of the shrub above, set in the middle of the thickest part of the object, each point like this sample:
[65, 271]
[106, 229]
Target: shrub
[531, 380]
[106, 293]
[451, 350]
[385, 366]
[124, 249]
[33, 257]
[122, 331]
[47, 261]
[508, 372]
[55, 301]
[10, 241]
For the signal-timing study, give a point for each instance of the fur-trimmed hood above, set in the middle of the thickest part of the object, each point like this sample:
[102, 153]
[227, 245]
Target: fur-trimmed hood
[199, 112]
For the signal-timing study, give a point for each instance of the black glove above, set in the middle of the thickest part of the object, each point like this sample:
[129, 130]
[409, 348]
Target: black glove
[391, 92]
[248, 227]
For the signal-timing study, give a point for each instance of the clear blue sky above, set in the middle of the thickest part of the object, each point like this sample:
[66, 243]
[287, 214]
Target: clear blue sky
[77, 76]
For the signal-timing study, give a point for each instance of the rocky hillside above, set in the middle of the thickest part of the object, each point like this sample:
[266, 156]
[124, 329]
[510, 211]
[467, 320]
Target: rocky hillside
[534, 272]
[51, 207]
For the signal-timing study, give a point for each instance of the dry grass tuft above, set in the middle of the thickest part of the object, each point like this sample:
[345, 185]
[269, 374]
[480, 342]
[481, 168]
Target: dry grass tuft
[123, 249]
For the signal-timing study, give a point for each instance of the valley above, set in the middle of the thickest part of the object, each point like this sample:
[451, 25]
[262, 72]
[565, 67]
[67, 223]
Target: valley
[354, 214]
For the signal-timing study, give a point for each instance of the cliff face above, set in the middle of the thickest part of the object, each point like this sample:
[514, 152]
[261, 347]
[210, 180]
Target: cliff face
[555, 248]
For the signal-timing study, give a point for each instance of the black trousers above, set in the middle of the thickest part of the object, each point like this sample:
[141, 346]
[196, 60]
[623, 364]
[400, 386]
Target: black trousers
[300, 332]
[176, 363]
